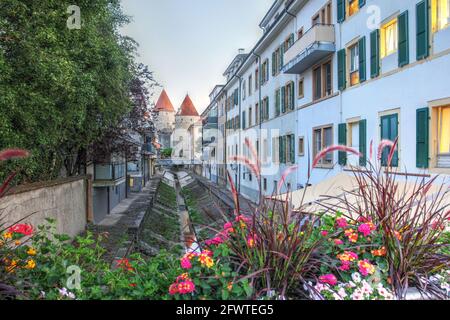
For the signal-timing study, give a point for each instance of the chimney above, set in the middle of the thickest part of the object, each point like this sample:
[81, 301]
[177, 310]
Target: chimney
[241, 51]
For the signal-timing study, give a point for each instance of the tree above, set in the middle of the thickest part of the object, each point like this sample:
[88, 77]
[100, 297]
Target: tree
[61, 89]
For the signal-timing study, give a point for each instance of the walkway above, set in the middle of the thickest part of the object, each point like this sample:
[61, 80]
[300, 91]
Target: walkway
[123, 223]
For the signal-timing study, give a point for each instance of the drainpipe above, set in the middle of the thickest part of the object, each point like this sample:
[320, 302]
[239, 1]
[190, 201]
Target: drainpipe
[259, 116]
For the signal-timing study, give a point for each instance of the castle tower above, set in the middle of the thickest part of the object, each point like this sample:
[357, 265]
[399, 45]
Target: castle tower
[187, 135]
[164, 119]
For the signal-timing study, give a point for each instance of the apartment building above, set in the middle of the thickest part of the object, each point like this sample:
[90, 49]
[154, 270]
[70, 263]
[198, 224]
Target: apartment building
[349, 72]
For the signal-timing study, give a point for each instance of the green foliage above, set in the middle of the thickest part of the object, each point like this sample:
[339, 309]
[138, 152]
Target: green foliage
[61, 89]
[166, 153]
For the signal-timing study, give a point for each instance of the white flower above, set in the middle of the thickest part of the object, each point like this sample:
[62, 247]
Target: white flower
[337, 296]
[357, 295]
[351, 284]
[342, 293]
[356, 277]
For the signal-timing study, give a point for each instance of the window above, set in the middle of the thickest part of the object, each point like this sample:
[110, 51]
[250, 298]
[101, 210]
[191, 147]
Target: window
[389, 35]
[444, 131]
[440, 14]
[289, 96]
[323, 16]
[265, 150]
[287, 149]
[354, 64]
[263, 73]
[353, 7]
[250, 117]
[300, 33]
[256, 79]
[323, 138]
[265, 184]
[301, 88]
[243, 119]
[250, 85]
[322, 81]
[265, 109]
[244, 90]
[256, 114]
[353, 141]
[301, 146]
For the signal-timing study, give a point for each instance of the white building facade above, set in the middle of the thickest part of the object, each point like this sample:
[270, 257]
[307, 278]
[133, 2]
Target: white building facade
[350, 72]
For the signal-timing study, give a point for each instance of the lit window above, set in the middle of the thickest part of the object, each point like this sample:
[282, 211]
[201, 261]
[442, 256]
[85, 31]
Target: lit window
[444, 130]
[389, 34]
[353, 7]
[354, 64]
[440, 14]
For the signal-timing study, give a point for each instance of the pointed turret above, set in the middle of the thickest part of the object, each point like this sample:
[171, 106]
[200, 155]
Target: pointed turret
[187, 108]
[164, 103]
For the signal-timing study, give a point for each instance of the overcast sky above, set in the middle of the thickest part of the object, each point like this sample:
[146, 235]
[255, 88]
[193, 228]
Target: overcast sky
[189, 43]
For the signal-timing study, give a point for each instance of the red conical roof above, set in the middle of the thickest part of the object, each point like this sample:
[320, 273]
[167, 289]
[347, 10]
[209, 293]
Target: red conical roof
[187, 108]
[164, 103]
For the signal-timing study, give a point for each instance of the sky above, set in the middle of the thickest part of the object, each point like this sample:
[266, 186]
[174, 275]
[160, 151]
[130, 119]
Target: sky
[188, 44]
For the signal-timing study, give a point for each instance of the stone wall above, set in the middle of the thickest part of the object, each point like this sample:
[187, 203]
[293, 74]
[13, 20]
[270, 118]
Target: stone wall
[69, 201]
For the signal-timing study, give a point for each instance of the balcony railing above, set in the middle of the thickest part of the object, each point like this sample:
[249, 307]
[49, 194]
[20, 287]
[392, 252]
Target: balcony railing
[113, 171]
[317, 43]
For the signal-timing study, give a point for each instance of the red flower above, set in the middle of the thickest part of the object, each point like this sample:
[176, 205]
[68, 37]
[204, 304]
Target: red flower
[173, 289]
[133, 285]
[124, 264]
[324, 233]
[25, 229]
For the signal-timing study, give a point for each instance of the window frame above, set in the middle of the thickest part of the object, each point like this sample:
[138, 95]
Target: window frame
[435, 17]
[353, 75]
[384, 52]
[321, 163]
[324, 78]
[349, 8]
[301, 92]
[301, 146]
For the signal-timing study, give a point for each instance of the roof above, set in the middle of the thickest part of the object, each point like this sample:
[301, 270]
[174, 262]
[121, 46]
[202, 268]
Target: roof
[187, 108]
[164, 103]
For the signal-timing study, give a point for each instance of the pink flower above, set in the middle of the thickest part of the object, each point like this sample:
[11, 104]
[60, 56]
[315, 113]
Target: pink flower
[338, 242]
[328, 279]
[173, 289]
[341, 223]
[13, 154]
[251, 241]
[227, 226]
[186, 287]
[365, 267]
[365, 229]
[345, 266]
[324, 233]
[214, 241]
[186, 263]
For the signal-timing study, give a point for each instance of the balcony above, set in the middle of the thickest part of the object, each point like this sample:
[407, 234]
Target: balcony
[317, 43]
[109, 172]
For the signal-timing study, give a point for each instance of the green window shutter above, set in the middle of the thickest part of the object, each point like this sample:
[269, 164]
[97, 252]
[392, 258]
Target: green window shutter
[292, 151]
[422, 132]
[422, 29]
[267, 108]
[342, 137]
[341, 70]
[273, 64]
[291, 40]
[362, 3]
[341, 10]
[389, 131]
[281, 147]
[363, 142]
[375, 53]
[243, 120]
[362, 59]
[281, 57]
[277, 102]
[292, 96]
[403, 39]
[283, 103]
